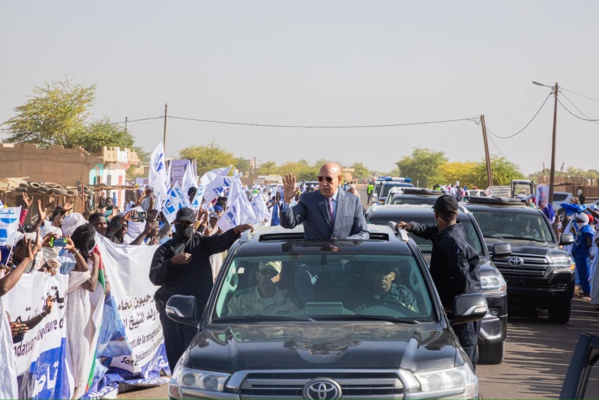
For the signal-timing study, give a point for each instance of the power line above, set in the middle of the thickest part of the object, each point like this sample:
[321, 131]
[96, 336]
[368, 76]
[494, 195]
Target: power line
[577, 94]
[472, 119]
[138, 120]
[565, 108]
[525, 126]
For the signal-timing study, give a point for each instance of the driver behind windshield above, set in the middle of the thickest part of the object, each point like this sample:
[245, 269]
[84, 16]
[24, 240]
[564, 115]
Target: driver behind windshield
[380, 288]
[265, 298]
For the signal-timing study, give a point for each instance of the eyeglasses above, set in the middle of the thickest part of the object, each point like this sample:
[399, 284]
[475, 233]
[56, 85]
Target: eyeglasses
[325, 178]
[269, 272]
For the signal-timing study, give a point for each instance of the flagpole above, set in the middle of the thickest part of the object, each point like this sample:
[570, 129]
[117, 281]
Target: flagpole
[164, 133]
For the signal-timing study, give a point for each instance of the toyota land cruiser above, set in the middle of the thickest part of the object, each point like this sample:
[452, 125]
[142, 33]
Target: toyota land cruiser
[348, 319]
[538, 273]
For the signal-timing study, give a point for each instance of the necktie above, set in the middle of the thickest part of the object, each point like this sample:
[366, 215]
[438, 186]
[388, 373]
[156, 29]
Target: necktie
[331, 211]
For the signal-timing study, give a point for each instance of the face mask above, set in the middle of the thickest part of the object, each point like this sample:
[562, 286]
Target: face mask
[184, 234]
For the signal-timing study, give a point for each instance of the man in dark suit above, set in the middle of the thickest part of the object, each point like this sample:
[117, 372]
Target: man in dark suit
[328, 213]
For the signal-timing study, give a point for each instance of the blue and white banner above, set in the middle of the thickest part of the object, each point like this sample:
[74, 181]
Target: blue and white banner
[41, 353]
[128, 268]
[9, 225]
[216, 188]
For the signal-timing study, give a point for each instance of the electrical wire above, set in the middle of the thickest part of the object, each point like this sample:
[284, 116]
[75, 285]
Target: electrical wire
[525, 126]
[137, 120]
[565, 108]
[577, 94]
[495, 145]
[472, 119]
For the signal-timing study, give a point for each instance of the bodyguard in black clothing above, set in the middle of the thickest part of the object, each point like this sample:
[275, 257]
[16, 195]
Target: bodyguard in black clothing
[182, 266]
[454, 265]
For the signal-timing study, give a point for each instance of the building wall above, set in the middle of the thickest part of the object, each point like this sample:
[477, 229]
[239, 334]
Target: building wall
[56, 164]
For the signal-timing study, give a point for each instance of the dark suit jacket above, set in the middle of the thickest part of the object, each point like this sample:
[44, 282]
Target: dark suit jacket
[313, 212]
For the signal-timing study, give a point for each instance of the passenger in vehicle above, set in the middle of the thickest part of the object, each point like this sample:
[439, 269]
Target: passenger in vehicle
[265, 298]
[379, 287]
[527, 229]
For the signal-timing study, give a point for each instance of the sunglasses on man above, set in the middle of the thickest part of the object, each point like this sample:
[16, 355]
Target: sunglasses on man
[325, 178]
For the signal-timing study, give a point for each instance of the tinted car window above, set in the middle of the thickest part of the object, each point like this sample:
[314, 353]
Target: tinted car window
[559, 196]
[426, 246]
[340, 284]
[524, 226]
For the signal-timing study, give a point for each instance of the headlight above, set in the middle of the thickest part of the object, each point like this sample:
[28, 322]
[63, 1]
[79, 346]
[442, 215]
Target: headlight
[493, 283]
[453, 383]
[203, 380]
[563, 263]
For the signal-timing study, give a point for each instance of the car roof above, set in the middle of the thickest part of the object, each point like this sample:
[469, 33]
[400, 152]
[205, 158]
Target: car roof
[514, 209]
[276, 239]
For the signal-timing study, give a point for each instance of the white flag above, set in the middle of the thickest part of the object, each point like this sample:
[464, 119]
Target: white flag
[260, 209]
[158, 175]
[174, 201]
[212, 175]
[189, 180]
[216, 188]
[9, 225]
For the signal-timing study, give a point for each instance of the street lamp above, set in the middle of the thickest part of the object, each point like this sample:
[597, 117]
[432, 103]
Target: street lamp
[554, 140]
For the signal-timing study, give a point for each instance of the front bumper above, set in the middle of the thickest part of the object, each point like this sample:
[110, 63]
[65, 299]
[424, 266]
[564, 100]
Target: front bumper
[533, 292]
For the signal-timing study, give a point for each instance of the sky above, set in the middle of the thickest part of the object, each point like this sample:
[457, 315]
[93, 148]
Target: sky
[322, 63]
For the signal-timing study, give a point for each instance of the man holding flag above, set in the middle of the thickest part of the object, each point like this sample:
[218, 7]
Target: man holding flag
[182, 266]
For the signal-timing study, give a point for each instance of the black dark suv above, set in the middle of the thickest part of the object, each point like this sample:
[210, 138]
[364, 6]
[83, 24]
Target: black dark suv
[346, 319]
[538, 273]
[494, 325]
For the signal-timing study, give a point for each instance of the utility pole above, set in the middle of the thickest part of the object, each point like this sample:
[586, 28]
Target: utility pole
[487, 156]
[553, 146]
[164, 134]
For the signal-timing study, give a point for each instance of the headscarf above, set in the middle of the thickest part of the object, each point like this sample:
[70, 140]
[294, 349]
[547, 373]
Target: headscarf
[72, 222]
[582, 220]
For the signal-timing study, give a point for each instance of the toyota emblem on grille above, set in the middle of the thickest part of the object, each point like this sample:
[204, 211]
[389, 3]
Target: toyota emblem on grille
[515, 262]
[322, 389]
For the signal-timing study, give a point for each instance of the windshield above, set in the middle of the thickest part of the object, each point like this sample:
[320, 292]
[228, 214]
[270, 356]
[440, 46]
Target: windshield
[426, 246]
[323, 286]
[387, 187]
[523, 226]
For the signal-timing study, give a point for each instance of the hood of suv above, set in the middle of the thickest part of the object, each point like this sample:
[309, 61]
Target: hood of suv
[525, 246]
[315, 344]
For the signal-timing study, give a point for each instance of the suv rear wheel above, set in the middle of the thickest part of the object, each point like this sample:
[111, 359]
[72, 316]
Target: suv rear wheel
[491, 353]
[560, 313]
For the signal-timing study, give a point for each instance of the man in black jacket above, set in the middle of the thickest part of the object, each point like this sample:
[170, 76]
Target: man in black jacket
[182, 266]
[454, 265]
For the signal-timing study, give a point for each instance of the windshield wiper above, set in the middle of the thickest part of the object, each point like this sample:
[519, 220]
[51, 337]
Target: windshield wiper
[361, 317]
[260, 318]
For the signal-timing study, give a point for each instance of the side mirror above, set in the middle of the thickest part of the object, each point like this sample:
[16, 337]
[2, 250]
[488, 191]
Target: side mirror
[469, 307]
[566, 239]
[182, 309]
[502, 249]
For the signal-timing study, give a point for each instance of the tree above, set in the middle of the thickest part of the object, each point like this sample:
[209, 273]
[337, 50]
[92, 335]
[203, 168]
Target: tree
[53, 115]
[360, 171]
[243, 165]
[208, 157]
[503, 172]
[302, 170]
[457, 171]
[268, 168]
[101, 133]
[143, 155]
[423, 166]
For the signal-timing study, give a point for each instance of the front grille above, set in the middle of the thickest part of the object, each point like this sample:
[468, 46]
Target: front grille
[353, 384]
[532, 266]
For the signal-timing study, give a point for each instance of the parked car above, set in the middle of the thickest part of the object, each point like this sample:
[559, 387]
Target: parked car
[325, 348]
[494, 325]
[538, 273]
